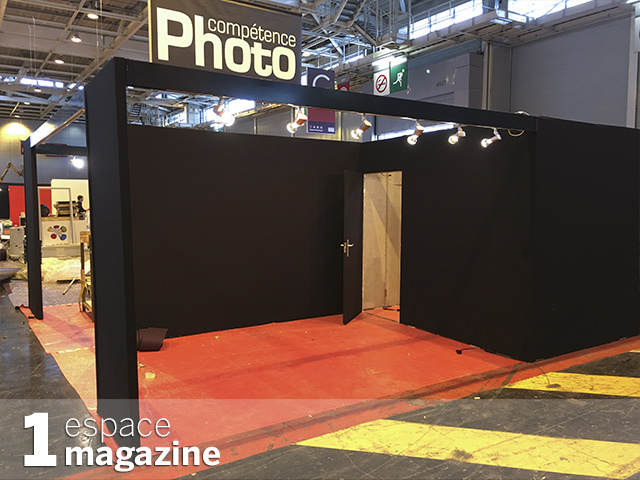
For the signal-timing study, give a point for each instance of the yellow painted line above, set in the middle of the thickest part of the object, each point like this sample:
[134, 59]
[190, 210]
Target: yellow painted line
[580, 383]
[486, 447]
[635, 351]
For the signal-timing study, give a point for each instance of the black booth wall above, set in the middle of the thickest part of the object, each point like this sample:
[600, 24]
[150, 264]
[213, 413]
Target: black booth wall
[252, 237]
[528, 248]
[585, 237]
[466, 235]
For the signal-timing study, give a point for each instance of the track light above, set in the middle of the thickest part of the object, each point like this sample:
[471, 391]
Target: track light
[413, 139]
[77, 162]
[488, 141]
[301, 119]
[453, 139]
[227, 118]
[357, 133]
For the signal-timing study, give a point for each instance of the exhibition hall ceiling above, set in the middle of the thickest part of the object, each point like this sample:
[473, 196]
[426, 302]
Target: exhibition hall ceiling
[50, 48]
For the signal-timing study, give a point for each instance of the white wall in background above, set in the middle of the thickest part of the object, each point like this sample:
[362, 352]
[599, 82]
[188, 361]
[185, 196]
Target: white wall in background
[581, 75]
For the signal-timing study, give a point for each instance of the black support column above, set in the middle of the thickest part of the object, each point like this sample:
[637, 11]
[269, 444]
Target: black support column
[112, 269]
[32, 207]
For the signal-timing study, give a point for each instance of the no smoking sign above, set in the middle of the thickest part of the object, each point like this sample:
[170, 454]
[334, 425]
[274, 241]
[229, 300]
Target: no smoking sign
[381, 83]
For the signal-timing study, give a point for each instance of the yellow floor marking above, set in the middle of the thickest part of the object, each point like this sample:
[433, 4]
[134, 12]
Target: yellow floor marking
[635, 351]
[580, 383]
[486, 447]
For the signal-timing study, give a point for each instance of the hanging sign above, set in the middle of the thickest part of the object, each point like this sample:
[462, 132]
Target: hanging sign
[381, 82]
[321, 121]
[344, 86]
[398, 77]
[225, 37]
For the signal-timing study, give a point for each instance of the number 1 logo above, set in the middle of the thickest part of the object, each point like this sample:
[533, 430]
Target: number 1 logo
[40, 458]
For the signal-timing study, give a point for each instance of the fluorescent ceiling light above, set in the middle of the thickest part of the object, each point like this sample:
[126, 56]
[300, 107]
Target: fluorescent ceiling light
[438, 127]
[389, 61]
[239, 105]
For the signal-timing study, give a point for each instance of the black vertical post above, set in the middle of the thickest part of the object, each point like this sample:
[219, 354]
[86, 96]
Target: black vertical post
[32, 212]
[112, 268]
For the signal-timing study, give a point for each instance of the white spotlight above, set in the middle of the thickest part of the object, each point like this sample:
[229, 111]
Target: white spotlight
[225, 117]
[453, 139]
[301, 119]
[77, 162]
[413, 139]
[357, 133]
[488, 141]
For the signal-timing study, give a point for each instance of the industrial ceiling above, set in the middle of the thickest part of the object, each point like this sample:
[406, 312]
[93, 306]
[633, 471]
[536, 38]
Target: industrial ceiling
[50, 48]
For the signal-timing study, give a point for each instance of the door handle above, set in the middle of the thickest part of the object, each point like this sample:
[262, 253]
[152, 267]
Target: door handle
[346, 246]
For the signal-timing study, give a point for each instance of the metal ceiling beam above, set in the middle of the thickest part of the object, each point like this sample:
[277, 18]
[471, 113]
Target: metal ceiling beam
[62, 35]
[72, 8]
[107, 53]
[3, 8]
[165, 77]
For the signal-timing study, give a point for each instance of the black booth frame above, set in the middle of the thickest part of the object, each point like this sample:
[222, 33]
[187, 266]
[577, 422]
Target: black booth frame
[107, 130]
[32, 210]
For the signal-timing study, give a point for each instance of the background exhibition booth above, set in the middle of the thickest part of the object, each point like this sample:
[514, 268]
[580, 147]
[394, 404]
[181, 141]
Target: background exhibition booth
[527, 248]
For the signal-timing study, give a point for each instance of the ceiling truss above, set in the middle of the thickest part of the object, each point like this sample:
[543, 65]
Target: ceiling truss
[37, 41]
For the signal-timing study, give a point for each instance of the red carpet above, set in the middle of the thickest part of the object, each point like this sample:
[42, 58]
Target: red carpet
[264, 375]
[252, 389]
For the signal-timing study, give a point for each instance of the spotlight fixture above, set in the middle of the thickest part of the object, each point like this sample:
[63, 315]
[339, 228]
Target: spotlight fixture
[227, 118]
[300, 119]
[75, 38]
[357, 133]
[93, 16]
[453, 139]
[59, 61]
[77, 162]
[413, 139]
[488, 141]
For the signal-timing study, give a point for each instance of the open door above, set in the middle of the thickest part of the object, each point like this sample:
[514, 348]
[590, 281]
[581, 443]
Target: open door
[352, 246]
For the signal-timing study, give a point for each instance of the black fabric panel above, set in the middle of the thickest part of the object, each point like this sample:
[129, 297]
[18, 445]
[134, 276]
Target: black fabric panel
[4, 201]
[585, 238]
[466, 230]
[252, 237]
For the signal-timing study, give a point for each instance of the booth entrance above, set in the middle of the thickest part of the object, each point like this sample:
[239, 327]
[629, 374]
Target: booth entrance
[373, 213]
[382, 216]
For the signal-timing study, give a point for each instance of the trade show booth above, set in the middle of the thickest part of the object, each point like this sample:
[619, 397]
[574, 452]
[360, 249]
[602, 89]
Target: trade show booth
[527, 248]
